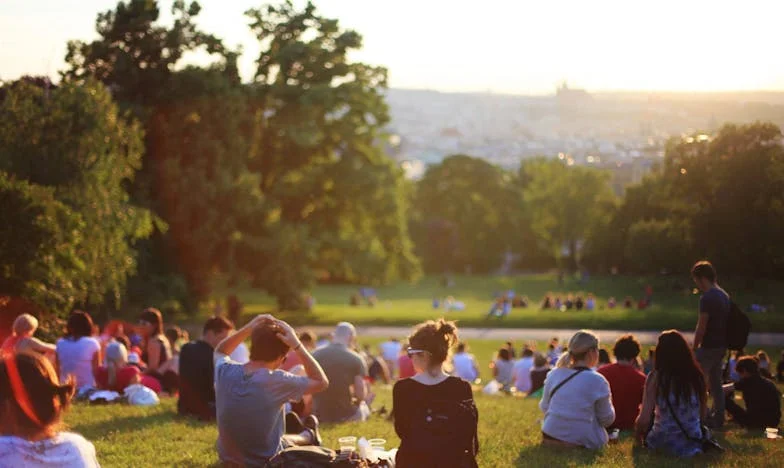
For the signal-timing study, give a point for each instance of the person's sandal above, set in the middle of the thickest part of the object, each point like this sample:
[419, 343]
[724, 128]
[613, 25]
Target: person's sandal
[311, 423]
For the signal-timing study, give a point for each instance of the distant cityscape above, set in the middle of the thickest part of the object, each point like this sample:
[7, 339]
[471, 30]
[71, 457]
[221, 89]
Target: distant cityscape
[624, 132]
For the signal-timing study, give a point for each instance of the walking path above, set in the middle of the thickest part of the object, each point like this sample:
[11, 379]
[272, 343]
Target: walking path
[535, 334]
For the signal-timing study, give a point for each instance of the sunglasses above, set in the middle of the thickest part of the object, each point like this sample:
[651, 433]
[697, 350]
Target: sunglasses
[413, 352]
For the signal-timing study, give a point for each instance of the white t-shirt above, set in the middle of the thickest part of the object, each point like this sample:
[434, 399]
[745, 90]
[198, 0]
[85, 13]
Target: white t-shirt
[522, 374]
[76, 358]
[465, 366]
[66, 449]
[240, 354]
[390, 350]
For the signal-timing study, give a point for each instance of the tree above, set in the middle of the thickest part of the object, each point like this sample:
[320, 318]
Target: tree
[658, 246]
[468, 212]
[73, 140]
[334, 197]
[567, 204]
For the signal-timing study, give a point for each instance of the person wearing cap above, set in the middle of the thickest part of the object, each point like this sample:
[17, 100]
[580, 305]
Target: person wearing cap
[349, 394]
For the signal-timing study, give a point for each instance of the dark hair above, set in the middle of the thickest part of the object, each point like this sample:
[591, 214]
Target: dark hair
[79, 324]
[123, 340]
[265, 345]
[627, 348]
[540, 360]
[217, 325]
[604, 356]
[461, 347]
[307, 337]
[153, 316]
[747, 364]
[652, 352]
[704, 269]
[48, 398]
[677, 370]
[437, 338]
[504, 354]
[173, 333]
[528, 352]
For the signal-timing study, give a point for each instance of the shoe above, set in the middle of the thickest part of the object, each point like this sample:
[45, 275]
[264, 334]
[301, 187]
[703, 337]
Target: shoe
[311, 423]
[294, 425]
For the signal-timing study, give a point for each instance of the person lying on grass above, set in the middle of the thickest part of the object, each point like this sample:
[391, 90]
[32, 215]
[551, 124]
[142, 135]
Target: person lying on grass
[32, 404]
[250, 397]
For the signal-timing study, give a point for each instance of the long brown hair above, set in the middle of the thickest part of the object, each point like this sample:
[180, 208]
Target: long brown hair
[31, 396]
[677, 370]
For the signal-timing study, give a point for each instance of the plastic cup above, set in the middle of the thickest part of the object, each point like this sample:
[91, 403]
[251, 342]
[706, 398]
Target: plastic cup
[771, 433]
[378, 444]
[347, 444]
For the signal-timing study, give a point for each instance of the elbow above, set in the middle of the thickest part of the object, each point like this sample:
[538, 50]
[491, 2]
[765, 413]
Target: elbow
[323, 385]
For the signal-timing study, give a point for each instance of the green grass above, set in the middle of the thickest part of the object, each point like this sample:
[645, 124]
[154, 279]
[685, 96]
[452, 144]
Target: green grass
[509, 435]
[407, 304]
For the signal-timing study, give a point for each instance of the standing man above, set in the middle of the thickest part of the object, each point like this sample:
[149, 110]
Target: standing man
[348, 394]
[710, 337]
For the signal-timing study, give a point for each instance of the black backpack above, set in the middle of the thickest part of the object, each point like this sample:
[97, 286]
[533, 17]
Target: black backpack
[738, 328]
[303, 457]
[447, 428]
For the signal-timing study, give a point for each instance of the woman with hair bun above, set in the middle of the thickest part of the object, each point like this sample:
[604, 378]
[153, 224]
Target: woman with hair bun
[32, 404]
[576, 399]
[435, 414]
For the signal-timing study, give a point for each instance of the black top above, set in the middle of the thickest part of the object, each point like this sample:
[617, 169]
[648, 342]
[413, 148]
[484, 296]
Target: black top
[716, 303]
[411, 404]
[197, 390]
[780, 371]
[762, 398]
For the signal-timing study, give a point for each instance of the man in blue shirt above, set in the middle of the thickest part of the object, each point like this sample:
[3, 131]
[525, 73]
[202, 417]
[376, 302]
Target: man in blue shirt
[710, 337]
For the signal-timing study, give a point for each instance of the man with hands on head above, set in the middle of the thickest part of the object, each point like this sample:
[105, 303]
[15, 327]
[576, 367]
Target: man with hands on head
[250, 397]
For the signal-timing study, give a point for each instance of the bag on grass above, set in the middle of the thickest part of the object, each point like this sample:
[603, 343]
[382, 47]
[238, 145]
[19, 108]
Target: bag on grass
[309, 456]
[139, 395]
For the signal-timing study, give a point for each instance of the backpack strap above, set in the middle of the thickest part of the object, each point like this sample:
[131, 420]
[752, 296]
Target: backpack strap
[678, 422]
[558, 387]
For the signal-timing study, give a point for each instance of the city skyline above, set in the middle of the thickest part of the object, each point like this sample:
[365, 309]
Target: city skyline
[494, 46]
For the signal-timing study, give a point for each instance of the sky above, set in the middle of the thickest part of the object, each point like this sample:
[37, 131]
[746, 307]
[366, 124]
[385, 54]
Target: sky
[501, 46]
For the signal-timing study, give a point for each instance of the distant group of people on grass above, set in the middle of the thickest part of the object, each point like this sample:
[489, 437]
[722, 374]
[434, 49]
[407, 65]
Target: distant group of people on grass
[276, 395]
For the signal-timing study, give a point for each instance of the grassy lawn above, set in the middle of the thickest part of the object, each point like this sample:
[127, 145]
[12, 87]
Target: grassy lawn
[407, 304]
[509, 434]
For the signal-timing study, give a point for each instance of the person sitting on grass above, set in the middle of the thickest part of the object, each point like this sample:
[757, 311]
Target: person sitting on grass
[22, 339]
[522, 371]
[764, 364]
[155, 346]
[675, 397]
[250, 397]
[32, 405]
[464, 364]
[503, 368]
[349, 394]
[117, 374]
[435, 415]
[538, 374]
[762, 398]
[405, 365]
[78, 353]
[197, 371]
[604, 358]
[576, 400]
[780, 369]
[626, 382]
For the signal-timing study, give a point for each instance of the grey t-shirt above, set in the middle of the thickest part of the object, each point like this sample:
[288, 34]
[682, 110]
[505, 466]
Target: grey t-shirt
[341, 365]
[716, 303]
[249, 408]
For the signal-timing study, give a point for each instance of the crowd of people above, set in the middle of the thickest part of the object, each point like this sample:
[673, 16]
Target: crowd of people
[276, 394]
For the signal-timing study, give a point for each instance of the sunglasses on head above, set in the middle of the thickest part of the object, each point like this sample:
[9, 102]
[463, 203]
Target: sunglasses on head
[413, 352]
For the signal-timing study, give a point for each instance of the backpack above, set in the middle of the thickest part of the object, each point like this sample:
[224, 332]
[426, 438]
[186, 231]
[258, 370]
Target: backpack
[447, 428]
[738, 328]
[311, 456]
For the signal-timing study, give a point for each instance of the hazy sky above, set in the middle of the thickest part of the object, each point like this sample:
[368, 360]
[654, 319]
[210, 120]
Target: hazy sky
[510, 46]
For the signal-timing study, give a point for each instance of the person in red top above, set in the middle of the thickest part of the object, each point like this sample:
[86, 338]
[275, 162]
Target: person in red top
[308, 340]
[118, 374]
[405, 366]
[626, 382]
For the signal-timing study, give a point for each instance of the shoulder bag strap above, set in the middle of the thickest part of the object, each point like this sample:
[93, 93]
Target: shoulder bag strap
[678, 421]
[558, 387]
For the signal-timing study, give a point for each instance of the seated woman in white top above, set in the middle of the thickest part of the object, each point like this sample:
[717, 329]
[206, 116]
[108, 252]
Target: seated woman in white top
[33, 403]
[576, 400]
[78, 353]
[464, 364]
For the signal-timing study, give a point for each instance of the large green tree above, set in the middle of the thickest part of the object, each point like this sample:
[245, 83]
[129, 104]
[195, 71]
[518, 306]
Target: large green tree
[73, 140]
[568, 204]
[467, 214]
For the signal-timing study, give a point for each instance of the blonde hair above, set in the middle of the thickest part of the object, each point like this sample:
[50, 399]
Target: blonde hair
[582, 342]
[116, 359]
[25, 323]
